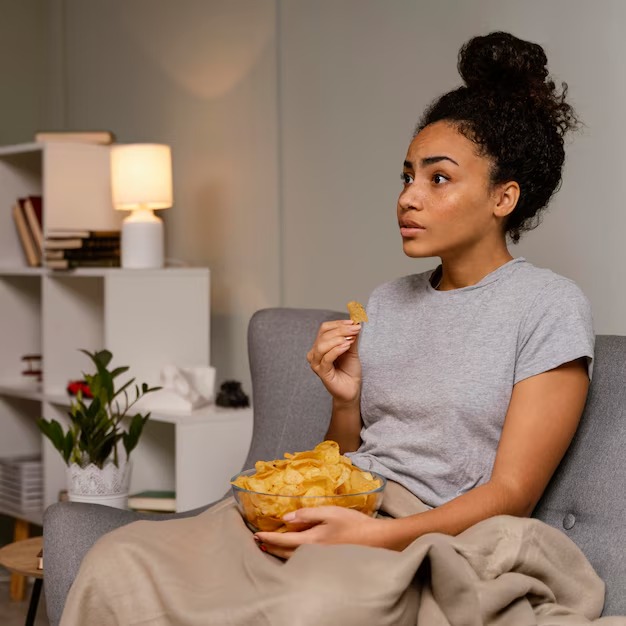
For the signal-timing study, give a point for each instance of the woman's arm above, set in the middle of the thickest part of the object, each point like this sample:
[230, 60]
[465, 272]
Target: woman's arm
[334, 358]
[540, 423]
[345, 425]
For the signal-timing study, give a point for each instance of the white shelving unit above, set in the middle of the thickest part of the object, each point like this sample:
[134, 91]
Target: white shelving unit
[146, 318]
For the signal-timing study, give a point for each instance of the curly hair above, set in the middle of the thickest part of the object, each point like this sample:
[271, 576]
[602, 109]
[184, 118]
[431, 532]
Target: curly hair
[510, 108]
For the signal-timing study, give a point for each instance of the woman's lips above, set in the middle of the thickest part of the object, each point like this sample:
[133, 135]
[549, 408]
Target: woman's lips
[411, 231]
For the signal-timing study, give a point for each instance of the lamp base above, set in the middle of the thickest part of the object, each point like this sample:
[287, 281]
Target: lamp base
[142, 241]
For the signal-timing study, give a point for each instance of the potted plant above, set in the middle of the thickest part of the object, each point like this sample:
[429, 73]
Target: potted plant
[98, 471]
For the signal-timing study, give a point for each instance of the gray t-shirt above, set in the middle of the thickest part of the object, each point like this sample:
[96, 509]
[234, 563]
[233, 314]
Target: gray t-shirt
[439, 369]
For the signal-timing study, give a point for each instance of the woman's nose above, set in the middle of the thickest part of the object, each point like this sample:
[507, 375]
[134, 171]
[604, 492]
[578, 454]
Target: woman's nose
[409, 198]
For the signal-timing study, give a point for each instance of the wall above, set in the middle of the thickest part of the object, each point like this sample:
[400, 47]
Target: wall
[289, 121]
[200, 76]
[22, 45]
[355, 76]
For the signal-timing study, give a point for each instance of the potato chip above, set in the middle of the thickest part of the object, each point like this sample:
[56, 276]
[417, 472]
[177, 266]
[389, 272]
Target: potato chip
[357, 312]
[317, 477]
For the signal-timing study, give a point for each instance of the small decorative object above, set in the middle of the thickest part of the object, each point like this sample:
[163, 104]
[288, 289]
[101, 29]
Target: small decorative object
[183, 389]
[33, 367]
[141, 179]
[232, 395]
[97, 472]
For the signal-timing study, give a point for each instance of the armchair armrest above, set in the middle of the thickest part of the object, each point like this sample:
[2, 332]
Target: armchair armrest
[70, 529]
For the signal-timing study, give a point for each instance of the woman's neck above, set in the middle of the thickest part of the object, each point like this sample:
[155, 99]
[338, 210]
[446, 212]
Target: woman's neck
[459, 273]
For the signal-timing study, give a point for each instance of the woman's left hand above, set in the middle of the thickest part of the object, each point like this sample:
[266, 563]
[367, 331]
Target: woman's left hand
[326, 525]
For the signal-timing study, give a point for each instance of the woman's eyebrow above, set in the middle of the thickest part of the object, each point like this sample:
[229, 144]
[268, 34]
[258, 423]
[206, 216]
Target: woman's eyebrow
[429, 161]
[435, 159]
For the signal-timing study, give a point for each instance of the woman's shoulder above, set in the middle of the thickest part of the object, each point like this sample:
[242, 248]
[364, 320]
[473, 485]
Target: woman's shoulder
[401, 287]
[540, 282]
[549, 302]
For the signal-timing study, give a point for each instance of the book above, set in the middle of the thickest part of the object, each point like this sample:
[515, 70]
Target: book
[70, 264]
[73, 233]
[103, 137]
[152, 500]
[33, 208]
[87, 253]
[104, 240]
[23, 232]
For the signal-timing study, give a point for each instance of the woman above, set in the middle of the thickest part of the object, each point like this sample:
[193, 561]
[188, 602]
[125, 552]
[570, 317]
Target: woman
[465, 391]
[471, 379]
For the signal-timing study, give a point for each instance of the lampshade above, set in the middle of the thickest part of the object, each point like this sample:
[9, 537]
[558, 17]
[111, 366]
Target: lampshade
[141, 176]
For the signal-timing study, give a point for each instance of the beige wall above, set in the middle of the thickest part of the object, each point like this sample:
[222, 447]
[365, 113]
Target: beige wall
[289, 120]
[22, 45]
[200, 76]
[356, 75]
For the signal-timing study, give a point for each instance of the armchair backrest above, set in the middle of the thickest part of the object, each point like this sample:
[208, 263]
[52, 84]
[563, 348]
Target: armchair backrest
[585, 498]
[291, 406]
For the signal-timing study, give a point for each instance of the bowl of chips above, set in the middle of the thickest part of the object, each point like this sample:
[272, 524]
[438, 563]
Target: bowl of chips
[318, 477]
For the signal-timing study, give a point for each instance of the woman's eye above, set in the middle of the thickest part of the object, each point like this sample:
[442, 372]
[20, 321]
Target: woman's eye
[407, 179]
[438, 179]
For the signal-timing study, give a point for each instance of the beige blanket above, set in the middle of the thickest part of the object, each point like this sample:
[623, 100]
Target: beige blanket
[207, 570]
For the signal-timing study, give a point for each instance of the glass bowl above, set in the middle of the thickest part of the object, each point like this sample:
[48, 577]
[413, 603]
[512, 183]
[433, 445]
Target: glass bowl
[264, 511]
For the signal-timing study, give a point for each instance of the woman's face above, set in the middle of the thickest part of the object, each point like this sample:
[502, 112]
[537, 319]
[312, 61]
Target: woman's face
[446, 207]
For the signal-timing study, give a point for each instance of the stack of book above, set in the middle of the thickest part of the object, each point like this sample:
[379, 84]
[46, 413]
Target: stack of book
[27, 215]
[69, 249]
[62, 248]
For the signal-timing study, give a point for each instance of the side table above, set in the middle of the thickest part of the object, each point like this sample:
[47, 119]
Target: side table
[20, 557]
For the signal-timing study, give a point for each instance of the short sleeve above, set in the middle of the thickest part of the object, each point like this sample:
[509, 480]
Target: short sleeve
[556, 328]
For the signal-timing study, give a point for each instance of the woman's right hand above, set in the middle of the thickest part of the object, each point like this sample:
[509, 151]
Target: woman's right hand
[335, 359]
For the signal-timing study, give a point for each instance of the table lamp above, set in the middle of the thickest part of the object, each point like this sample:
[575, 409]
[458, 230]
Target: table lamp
[141, 181]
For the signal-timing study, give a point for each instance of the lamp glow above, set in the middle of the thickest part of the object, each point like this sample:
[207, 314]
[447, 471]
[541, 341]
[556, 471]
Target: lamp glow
[141, 181]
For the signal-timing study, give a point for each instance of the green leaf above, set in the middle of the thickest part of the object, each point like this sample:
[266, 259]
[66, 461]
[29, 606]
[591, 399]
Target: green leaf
[103, 379]
[131, 438]
[99, 358]
[68, 446]
[119, 370]
[53, 430]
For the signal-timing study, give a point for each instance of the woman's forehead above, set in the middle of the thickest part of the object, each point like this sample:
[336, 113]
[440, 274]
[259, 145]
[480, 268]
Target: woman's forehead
[442, 139]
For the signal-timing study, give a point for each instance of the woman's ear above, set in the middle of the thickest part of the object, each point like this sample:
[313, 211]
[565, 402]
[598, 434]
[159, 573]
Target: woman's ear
[506, 198]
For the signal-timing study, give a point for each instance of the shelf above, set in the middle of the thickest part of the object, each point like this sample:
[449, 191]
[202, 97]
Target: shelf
[118, 271]
[94, 271]
[20, 149]
[20, 390]
[58, 398]
[147, 318]
[208, 414]
[34, 517]
[22, 271]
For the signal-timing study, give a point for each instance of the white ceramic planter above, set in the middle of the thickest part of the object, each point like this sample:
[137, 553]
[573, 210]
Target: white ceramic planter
[108, 486]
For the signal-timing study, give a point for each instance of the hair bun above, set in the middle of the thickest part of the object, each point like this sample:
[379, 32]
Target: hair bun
[502, 60]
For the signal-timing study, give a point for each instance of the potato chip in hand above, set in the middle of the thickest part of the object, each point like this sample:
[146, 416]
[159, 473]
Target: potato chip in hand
[357, 312]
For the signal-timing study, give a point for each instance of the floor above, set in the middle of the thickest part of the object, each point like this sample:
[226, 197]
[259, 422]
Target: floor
[14, 613]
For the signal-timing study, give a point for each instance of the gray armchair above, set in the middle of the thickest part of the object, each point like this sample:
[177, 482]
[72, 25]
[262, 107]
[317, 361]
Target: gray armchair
[291, 412]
